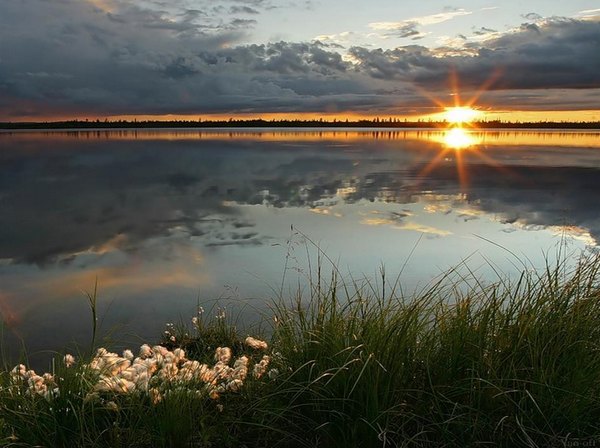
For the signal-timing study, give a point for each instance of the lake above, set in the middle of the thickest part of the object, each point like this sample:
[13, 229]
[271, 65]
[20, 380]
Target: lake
[166, 220]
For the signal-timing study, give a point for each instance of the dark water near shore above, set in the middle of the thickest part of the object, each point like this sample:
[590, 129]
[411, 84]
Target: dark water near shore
[167, 220]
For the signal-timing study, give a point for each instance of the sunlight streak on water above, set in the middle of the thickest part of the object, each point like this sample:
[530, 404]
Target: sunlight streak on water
[458, 138]
[491, 137]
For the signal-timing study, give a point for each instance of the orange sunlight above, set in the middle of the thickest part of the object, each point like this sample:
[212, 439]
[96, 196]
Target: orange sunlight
[458, 138]
[461, 114]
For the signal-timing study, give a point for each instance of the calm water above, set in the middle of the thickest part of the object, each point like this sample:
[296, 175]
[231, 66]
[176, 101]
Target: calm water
[166, 220]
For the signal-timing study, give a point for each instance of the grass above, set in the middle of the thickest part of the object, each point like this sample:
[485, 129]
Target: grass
[460, 364]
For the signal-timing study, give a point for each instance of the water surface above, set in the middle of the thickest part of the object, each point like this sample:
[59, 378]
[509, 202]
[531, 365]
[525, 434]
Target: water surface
[166, 220]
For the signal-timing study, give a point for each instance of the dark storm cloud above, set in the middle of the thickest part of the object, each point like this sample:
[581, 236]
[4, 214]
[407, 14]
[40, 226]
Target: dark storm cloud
[74, 58]
[179, 68]
[78, 58]
[560, 53]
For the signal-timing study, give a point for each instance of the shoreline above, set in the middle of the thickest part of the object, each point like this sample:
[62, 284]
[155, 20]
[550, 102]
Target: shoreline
[290, 124]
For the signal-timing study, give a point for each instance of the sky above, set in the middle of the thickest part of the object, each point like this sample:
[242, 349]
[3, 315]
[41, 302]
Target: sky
[165, 59]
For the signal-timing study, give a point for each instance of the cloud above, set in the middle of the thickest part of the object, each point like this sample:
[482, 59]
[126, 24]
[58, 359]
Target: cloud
[115, 57]
[400, 30]
[410, 28]
[422, 228]
[131, 60]
[175, 188]
[243, 10]
[554, 54]
[179, 68]
[532, 16]
[546, 196]
[484, 31]
[421, 21]
[242, 23]
[190, 191]
[339, 40]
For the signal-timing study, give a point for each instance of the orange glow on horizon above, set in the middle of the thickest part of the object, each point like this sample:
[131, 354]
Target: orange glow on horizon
[483, 114]
[461, 114]
[501, 115]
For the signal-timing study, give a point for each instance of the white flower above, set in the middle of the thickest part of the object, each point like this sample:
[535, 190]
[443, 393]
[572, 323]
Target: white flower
[18, 372]
[116, 365]
[205, 373]
[69, 360]
[149, 365]
[145, 351]
[48, 378]
[128, 354]
[179, 354]
[234, 385]
[189, 371]
[169, 371]
[220, 371]
[130, 374]
[160, 350]
[117, 385]
[256, 344]
[261, 367]
[240, 368]
[142, 380]
[195, 321]
[223, 354]
[155, 395]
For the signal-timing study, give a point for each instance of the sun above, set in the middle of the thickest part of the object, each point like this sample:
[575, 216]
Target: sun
[461, 114]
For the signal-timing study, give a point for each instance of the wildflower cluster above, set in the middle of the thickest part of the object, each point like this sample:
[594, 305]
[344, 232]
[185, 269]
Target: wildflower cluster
[155, 371]
[43, 385]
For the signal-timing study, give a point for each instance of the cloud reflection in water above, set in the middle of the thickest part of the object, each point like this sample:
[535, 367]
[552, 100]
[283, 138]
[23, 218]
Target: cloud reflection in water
[165, 217]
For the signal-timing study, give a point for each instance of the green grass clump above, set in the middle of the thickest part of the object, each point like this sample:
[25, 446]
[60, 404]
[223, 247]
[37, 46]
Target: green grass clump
[459, 364]
[507, 364]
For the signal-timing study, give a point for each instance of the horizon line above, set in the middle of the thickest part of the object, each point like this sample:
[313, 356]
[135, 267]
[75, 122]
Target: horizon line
[391, 122]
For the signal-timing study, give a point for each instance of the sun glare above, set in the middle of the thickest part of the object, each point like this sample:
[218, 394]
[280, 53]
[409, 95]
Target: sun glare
[458, 138]
[461, 114]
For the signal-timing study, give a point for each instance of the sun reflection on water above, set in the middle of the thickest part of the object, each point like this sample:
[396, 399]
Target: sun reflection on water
[458, 138]
[454, 141]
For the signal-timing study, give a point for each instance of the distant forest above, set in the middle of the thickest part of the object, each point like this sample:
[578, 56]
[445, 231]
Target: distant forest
[319, 123]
